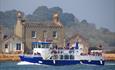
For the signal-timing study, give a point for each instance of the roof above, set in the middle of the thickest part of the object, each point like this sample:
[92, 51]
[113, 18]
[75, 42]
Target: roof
[44, 24]
[41, 43]
[12, 37]
[77, 34]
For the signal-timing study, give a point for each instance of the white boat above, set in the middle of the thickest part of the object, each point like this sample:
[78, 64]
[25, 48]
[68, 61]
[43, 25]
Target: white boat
[46, 53]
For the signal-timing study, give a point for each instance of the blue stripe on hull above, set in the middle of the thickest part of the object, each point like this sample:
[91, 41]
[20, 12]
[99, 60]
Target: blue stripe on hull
[30, 59]
[59, 62]
[96, 62]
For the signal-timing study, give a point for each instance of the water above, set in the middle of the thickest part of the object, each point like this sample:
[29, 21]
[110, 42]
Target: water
[14, 66]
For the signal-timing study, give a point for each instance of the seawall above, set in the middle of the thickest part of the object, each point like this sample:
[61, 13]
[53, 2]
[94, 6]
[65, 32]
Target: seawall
[9, 57]
[109, 57]
[15, 57]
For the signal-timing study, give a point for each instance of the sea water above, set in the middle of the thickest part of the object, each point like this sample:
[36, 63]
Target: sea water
[14, 66]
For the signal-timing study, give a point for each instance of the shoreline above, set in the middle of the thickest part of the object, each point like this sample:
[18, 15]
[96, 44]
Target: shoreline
[9, 57]
[15, 57]
[109, 56]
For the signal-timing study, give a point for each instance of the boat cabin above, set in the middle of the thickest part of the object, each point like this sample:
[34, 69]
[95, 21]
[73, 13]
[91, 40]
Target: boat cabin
[41, 45]
[50, 51]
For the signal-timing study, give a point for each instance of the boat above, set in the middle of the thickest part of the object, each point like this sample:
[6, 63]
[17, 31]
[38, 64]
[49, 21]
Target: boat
[48, 54]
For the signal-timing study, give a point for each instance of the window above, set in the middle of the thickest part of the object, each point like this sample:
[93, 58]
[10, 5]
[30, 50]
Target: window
[33, 46]
[33, 34]
[43, 45]
[66, 56]
[18, 46]
[55, 34]
[6, 45]
[71, 56]
[47, 45]
[39, 46]
[61, 56]
[44, 35]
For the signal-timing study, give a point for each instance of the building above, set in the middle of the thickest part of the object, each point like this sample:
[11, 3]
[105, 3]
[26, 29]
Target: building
[83, 43]
[12, 45]
[52, 31]
[39, 31]
[1, 38]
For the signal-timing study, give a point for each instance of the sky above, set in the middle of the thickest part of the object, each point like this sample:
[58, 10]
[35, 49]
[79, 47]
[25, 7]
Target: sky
[99, 12]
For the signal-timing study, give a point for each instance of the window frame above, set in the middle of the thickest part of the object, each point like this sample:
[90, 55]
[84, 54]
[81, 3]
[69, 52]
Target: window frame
[33, 34]
[18, 46]
[55, 34]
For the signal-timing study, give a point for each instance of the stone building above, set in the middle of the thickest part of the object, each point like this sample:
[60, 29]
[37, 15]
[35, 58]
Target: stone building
[12, 45]
[83, 43]
[1, 37]
[40, 31]
[52, 31]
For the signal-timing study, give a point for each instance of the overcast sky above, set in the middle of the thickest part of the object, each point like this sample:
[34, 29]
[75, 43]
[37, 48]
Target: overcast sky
[99, 12]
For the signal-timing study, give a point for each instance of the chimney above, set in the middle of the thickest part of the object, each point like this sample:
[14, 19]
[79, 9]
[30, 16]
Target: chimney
[19, 16]
[56, 18]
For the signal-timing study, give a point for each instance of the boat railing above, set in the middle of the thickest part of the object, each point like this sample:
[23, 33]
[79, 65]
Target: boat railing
[30, 55]
[62, 54]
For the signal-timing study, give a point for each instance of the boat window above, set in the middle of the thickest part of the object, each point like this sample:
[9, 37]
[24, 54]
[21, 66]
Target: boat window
[39, 46]
[33, 46]
[71, 56]
[50, 46]
[43, 45]
[66, 56]
[71, 51]
[61, 56]
[47, 45]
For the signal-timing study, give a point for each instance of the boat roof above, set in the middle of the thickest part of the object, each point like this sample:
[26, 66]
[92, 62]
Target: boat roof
[41, 43]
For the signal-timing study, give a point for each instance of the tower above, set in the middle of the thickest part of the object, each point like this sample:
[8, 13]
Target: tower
[19, 28]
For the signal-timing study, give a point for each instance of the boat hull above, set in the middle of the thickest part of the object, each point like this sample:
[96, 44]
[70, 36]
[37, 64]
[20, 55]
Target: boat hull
[39, 60]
